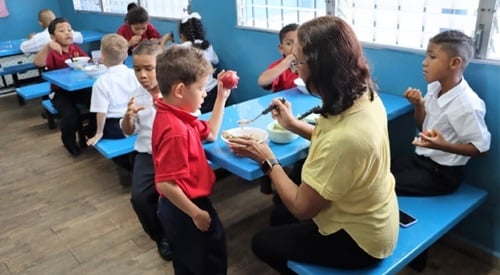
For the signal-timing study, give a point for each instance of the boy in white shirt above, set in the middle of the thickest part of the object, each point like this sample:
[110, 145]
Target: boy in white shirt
[110, 95]
[36, 41]
[450, 118]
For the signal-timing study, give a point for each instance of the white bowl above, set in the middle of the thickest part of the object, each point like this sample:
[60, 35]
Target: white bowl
[278, 134]
[301, 85]
[94, 70]
[77, 62]
[258, 134]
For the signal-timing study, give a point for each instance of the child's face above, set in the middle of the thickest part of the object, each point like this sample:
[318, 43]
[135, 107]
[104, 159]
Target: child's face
[194, 95]
[286, 46]
[437, 64]
[63, 34]
[145, 70]
[139, 29]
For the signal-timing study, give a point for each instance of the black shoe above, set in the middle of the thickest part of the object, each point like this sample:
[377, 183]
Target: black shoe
[73, 150]
[164, 250]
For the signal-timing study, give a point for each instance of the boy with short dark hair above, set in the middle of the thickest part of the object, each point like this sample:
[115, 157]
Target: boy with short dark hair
[280, 75]
[137, 28]
[450, 118]
[53, 56]
[183, 177]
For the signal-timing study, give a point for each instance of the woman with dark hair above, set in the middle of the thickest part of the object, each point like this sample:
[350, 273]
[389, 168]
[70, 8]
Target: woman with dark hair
[192, 34]
[346, 205]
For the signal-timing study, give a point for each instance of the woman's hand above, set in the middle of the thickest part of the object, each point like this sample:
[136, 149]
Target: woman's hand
[247, 147]
[283, 113]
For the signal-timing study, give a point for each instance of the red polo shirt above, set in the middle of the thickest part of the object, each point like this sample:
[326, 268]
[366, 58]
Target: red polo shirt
[178, 153]
[284, 81]
[150, 32]
[55, 60]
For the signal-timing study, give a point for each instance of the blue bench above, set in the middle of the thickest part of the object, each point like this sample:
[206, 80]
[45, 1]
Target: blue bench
[111, 148]
[435, 215]
[32, 91]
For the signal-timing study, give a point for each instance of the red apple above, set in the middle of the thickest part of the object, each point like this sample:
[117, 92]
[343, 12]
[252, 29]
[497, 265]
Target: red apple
[230, 80]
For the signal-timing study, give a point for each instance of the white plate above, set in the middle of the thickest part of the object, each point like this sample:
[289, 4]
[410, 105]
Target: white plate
[94, 70]
[301, 85]
[260, 135]
[78, 62]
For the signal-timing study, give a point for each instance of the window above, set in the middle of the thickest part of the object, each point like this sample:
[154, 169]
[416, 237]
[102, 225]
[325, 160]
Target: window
[174, 9]
[274, 14]
[401, 23]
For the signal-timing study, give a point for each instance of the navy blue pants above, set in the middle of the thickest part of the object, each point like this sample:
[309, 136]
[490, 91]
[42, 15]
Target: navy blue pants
[144, 197]
[420, 176]
[66, 103]
[195, 252]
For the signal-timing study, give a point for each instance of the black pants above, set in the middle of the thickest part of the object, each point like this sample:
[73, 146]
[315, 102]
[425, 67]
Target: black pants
[420, 176]
[144, 197]
[301, 241]
[66, 103]
[195, 252]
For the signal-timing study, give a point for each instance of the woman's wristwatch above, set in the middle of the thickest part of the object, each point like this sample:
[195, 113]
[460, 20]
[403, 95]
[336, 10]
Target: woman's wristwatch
[268, 164]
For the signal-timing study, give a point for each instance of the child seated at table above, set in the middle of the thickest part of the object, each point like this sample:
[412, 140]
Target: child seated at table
[36, 41]
[183, 177]
[110, 95]
[450, 118]
[280, 75]
[52, 56]
[192, 34]
[137, 28]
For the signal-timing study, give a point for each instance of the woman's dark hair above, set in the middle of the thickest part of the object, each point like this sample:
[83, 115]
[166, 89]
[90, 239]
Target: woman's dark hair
[192, 29]
[338, 71]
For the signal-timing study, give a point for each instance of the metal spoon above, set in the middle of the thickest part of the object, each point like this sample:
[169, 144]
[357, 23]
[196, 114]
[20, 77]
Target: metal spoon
[271, 107]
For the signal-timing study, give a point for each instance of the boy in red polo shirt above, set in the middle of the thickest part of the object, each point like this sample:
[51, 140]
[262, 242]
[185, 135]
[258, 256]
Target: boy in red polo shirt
[280, 75]
[52, 56]
[183, 177]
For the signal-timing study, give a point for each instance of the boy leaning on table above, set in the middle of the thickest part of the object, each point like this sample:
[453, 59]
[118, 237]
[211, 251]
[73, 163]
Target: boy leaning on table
[36, 41]
[110, 94]
[183, 177]
[53, 56]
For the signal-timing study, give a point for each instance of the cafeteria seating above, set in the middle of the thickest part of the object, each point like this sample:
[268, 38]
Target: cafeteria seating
[435, 215]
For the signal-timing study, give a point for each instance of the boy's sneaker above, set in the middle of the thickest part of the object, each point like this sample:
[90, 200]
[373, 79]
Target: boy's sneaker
[164, 249]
